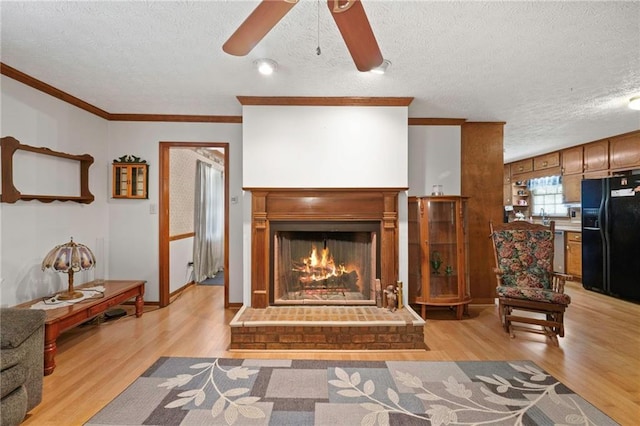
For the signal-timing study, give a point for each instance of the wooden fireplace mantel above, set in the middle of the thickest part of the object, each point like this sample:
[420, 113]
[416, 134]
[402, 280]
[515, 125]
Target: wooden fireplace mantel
[320, 204]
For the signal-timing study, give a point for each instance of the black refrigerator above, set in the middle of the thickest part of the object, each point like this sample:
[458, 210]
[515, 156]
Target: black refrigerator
[611, 236]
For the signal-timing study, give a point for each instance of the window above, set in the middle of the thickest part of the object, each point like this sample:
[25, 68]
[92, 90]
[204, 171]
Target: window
[546, 193]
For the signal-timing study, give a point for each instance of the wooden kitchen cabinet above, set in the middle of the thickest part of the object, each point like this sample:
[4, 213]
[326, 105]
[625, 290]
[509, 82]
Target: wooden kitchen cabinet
[571, 188]
[507, 190]
[596, 156]
[573, 254]
[507, 174]
[572, 160]
[506, 186]
[438, 245]
[624, 152]
[596, 175]
[521, 166]
[546, 161]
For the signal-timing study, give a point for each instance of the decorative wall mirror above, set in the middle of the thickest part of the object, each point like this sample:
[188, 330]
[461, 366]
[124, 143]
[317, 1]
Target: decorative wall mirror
[73, 163]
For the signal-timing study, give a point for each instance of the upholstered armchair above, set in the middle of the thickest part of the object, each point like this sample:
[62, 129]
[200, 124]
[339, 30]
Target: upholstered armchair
[526, 281]
[21, 362]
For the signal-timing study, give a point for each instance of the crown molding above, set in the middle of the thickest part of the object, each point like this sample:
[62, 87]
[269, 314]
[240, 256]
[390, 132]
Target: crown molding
[41, 86]
[324, 101]
[23, 78]
[417, 121]
[486, 122]
[234, 119]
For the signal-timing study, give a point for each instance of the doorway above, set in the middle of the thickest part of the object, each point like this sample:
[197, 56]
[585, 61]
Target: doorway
[164, 202]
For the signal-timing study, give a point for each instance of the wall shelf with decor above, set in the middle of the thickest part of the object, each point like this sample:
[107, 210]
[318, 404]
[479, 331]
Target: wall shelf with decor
[521, 197]
[130, 177]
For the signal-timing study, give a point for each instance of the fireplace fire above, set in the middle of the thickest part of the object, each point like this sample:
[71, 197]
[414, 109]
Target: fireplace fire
[333, 266]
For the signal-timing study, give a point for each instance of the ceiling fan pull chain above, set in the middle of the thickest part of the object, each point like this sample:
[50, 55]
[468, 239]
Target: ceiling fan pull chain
[318, 51]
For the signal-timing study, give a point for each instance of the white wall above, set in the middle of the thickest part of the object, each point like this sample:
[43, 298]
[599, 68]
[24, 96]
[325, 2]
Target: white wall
[125, 228]
[180, 254]
[29, 229]
[133, 252]
[127, 231]
[434, 158]
[324, 146]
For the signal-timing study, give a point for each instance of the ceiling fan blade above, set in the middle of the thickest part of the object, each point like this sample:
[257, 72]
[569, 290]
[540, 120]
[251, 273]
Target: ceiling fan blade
[264, 17]
[356, 31]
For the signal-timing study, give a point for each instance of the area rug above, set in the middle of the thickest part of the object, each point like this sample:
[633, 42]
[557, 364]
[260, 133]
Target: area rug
[221, 391]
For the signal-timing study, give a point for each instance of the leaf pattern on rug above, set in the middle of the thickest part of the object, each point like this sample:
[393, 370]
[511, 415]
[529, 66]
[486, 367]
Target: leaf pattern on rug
[239, 406]
[219, 391]
[446, 411]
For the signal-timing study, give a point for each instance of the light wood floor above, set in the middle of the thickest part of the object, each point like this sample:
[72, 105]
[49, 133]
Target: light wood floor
[599, 358]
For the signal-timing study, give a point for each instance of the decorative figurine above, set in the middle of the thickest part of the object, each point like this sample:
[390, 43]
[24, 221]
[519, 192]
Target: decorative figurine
[436, 262]
[399, 291]
[448, 270]
[392, 297]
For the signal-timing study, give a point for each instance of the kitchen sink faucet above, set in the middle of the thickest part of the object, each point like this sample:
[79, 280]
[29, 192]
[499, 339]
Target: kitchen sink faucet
[545, 219]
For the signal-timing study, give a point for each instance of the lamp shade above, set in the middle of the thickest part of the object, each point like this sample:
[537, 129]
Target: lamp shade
[69, 258]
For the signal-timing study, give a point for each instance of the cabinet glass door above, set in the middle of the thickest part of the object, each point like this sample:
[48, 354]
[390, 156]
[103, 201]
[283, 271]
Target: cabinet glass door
[443, 249]
[138, 181]
[130, 180]
[122, 181]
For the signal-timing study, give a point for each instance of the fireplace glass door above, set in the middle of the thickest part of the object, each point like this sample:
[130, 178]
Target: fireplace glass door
[317, 267]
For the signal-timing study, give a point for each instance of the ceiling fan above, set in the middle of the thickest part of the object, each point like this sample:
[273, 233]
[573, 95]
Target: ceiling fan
[349, 16]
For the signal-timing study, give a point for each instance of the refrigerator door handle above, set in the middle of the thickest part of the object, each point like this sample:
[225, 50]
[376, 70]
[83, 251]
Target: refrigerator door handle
[605, 211]
[605, 231]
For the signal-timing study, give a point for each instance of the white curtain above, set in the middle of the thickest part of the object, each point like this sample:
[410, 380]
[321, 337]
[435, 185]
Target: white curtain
[208, 243]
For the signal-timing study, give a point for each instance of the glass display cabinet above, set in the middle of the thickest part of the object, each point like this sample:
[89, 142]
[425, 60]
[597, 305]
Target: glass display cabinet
[130, 178]
[438, 245]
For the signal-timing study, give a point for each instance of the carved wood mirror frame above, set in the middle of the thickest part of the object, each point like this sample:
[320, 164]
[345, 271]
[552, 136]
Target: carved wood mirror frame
[10, 194]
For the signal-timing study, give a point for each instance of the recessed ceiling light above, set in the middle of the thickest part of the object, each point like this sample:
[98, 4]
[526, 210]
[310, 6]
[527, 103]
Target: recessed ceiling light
[634, 103]
[266, 66]
[382, 68]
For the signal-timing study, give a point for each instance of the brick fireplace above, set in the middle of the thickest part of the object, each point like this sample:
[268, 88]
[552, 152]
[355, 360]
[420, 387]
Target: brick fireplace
[360, 228]
[325, 215]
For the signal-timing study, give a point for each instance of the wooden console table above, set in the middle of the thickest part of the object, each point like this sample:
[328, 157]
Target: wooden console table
[67, 317]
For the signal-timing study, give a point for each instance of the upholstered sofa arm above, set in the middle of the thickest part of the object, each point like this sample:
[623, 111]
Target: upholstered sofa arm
[21, 362]
[18, 325]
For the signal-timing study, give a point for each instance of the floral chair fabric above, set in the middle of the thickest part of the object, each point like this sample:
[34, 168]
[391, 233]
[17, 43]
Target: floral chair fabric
[526, 281]
[525, 265]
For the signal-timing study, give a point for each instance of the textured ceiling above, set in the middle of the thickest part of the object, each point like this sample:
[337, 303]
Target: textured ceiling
[558, 73]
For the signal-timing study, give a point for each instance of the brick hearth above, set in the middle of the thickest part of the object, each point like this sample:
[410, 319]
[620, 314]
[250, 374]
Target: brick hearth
[326, 328]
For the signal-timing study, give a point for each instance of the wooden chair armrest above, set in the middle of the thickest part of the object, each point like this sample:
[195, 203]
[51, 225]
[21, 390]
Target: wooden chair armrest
[566, 277]
[558, 280]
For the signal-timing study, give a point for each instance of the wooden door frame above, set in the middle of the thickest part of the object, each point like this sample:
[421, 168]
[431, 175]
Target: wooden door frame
[163, 219]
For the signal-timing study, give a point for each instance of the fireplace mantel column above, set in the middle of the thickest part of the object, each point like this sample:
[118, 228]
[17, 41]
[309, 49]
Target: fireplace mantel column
[389, 239]
[259, 250]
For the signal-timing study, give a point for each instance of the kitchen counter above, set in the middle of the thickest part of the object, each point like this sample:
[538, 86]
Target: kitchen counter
[565, 226]
[573, 227]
